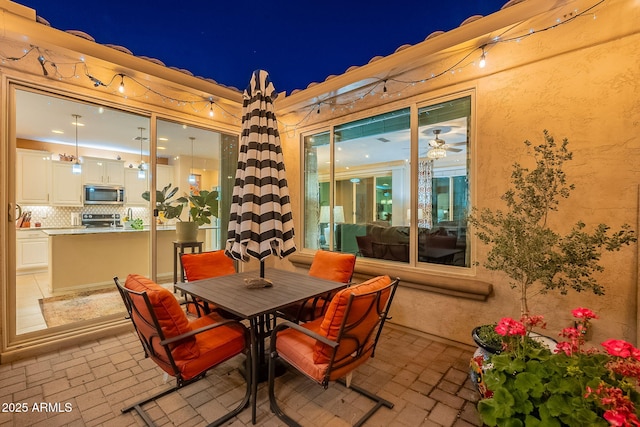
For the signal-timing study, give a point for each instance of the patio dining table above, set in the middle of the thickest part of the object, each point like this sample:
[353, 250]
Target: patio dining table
[257, 304]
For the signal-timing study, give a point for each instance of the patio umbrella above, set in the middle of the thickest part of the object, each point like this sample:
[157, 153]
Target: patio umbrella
[260, 222]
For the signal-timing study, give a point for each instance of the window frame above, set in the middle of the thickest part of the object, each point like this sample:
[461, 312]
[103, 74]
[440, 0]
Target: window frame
[445, 279]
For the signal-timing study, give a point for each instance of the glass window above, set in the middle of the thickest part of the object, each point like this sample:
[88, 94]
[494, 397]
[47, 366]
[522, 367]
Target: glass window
[69, 246]
[358, 186]
[443, 177]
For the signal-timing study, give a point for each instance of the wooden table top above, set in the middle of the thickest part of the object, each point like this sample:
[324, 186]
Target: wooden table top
[231, 293]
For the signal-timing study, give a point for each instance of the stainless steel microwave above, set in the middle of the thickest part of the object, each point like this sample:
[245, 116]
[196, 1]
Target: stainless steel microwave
[103, 195]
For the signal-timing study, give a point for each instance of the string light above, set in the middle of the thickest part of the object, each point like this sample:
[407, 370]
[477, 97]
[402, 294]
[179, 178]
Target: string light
[573, 15]
[121, 87]
[483, 60]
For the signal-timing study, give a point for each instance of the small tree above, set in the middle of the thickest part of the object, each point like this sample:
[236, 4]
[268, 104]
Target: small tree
[526, 249]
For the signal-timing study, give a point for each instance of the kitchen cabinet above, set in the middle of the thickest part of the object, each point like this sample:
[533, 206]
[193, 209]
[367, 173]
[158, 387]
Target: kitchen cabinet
[33, 177]
[102, 171]
[66, 186]
[32, 251]
[165, 176]
[134, 187]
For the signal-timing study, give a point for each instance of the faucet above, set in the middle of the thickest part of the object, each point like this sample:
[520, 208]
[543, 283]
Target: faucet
[130, 214]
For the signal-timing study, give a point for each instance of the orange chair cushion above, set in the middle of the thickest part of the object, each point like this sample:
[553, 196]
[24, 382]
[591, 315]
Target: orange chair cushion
[215, 346]
[334, 266]
[298, 350]
[195, 354]
[198, 266]
[206, 265]
[170, 315]
[330, 325]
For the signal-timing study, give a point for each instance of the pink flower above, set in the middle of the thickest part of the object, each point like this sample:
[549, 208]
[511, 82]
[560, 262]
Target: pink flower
[533, 321]
[565, 347]
[618, 348]
[509, 327]
[583, 313]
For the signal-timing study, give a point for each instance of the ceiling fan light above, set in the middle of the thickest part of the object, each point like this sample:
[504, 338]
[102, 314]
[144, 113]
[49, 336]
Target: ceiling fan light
[436, 153]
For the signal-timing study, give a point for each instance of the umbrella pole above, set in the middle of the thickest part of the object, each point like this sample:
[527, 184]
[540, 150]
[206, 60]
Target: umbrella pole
[261, 269]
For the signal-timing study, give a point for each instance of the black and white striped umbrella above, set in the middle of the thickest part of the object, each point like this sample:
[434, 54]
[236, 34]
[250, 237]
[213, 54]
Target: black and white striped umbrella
[260, 223]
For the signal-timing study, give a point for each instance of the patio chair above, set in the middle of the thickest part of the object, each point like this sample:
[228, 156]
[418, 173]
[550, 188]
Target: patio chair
[328, 265]
[205, 265]
[330, 348]
[182, 348]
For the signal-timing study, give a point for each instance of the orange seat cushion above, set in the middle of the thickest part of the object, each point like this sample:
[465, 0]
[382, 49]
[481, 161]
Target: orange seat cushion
[332, 320]
[171, 317]
[195, 354]
[207, 264]
[198, 266]
[334, 266]
[215, 345]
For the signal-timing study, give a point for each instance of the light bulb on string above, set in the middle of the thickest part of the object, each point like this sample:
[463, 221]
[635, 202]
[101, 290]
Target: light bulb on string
[210, 108]
[483, 60]
[121, 87]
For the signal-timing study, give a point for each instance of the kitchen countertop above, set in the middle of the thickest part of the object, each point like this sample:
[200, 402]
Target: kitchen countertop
[102, 230]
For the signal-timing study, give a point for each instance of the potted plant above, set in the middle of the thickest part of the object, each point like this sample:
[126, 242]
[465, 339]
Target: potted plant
[525, 247]
[572, 386]
[202, 207]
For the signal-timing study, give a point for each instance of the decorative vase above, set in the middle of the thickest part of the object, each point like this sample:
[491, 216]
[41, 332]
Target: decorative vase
[480, 363]
[186, 231]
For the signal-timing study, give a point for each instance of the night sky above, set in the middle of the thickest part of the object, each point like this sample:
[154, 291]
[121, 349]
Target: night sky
[297, 42]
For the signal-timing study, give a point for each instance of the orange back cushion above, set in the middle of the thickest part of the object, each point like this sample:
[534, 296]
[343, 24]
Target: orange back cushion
[206, 265]
[334, 316]
[334, 266]
[171, 318]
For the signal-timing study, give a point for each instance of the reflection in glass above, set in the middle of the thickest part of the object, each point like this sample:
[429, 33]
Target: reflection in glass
[370, 184]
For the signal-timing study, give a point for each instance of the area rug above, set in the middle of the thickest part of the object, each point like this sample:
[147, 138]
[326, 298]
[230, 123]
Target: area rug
[79, 306]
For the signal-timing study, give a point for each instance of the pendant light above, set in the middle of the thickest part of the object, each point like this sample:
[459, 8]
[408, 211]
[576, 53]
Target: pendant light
[192, 177]
[142, 174]
[77, 167]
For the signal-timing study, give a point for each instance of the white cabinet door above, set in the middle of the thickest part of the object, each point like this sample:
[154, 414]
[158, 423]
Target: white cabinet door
[33, 177]
[134, 187]
[165, 176]
[66, 186]
[102, 171]
[32, 250]
[114, 171]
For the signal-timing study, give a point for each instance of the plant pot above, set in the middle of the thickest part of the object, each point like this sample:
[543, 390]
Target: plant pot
[479, 363]
[186, 231]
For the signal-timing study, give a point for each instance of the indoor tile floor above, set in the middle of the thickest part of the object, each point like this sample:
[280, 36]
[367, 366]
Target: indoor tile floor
[87, 385]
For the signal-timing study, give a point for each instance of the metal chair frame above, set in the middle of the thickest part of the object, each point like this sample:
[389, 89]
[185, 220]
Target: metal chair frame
[148, 347]
[345, 333]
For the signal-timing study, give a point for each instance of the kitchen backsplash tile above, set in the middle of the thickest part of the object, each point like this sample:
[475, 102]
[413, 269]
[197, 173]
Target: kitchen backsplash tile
[60, 216]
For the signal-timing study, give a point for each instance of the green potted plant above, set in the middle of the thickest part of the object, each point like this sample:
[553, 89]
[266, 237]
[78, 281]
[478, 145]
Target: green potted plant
[202, 207]
[527, 250]
[531, 385]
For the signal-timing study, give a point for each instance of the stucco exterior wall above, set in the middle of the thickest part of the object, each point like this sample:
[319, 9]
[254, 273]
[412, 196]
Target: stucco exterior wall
[578, 81]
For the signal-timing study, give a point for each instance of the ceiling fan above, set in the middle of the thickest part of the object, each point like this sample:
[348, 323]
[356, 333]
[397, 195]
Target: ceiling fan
[441, 143]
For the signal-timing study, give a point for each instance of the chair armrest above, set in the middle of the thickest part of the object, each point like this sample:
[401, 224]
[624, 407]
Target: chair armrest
[200, 330]
[287, 324]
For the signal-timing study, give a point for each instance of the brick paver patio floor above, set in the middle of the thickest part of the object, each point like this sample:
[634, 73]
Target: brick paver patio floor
[87, 385]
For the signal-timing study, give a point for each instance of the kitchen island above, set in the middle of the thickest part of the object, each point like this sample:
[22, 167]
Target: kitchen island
[87, 258]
